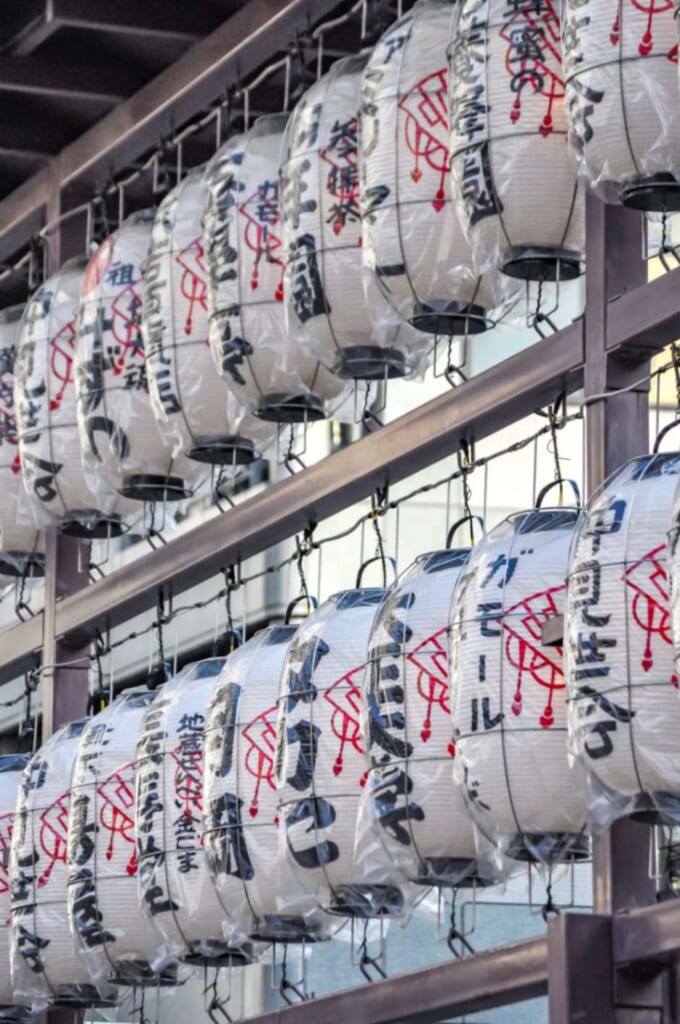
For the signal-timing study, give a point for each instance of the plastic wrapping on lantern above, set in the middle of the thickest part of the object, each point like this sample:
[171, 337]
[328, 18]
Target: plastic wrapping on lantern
[514, 184]
[621, 82]
[115, 938]
[176, 889]
[413, 818]
[47, 420]
[326, 306]
[412, 241]
[322, 764]
[190, 399]
[21, 544]
[624, 712]
[120, 439]
[508, 692]
[11, 768]
[244, 250]
[258, 891]
[46, 965]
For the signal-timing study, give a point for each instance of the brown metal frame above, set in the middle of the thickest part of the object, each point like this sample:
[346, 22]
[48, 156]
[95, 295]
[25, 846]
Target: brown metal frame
[609, 966]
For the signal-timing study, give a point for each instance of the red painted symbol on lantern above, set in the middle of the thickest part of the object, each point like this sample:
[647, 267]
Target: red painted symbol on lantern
[427, 129]
[344, 696]
[193, 286]
[117, 812]
[6, 828]
[650, 8]
[261, 211]
[525, 652]
[432, 662]
[648, 580]
[260, 735]
[188, 780]
[126, 323]
[62, 357]
[342, 178]
[54, 835]
[533, 59]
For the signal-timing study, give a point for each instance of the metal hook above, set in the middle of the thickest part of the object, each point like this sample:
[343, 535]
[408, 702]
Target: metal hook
[286, 986]
[454, 936]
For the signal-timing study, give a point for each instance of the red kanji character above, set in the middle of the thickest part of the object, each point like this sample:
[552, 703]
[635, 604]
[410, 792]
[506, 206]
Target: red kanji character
[193, 285]
[344, 696]
[427, 129]
[533, 57]
[54, 835]
[260, 735]
[262, 214]
[117, 813]
[62, 357]
[525, 652]
[649, 581]
[432, 661]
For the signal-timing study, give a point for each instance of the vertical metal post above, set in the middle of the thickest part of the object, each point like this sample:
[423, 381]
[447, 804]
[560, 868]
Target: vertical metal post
[617, 430]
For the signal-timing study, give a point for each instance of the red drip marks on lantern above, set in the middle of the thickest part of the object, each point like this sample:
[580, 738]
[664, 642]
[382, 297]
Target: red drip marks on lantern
[615, 34]
[6, 830]
[648, 580]
[62, 360]
[524, 649]
[426, 129]
[651, 8]
[54, 836]
[193, 286]
[116, 815]
[262, 216]
[16, 464]
[432, 684]
[260, 737]
[533, 58]
[344, 696]
[451, 749]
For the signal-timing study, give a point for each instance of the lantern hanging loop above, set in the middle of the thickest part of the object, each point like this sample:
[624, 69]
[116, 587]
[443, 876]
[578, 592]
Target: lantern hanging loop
[457, 942]
[467, 520]
[550, 908]
[466, 463]
[543, 316]
[292, 460]
[22, 608]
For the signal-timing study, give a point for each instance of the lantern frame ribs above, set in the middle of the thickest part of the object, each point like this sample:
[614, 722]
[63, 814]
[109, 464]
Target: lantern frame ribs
[601, 968]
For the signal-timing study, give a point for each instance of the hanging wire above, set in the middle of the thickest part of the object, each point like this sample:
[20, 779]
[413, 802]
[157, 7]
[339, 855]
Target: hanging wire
[457, 942]
[288, 988]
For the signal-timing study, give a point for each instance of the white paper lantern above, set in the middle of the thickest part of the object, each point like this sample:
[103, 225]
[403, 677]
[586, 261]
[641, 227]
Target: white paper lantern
[47, 420]
[513, 180]
[117, 941]
[21, 546]
[11, 767]
[322, 763]
[190, 399]
[119, 436]
[412, 238]
[508, 700]
[46, 966]
[256, 886]
[624, 712]
[244, 250]
[176, 888]
[621, 80]
[412, 806]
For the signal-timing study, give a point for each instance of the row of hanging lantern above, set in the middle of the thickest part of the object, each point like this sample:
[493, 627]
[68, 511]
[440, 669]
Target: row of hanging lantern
[425, 733]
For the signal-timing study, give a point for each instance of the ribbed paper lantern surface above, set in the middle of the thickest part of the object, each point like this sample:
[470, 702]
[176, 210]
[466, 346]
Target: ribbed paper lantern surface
[325, 303]
[119, 435]
[21, 546]
[624, 712]
[412, 806]
[244, 250]
[176, 889]
[190, 399]
[513, 180]
[11, 767]
[115, 938]
[256, 886]
[46, 966]
[412, 238]
[621, 79]
[321, 760]
[47, 419]
[508, 700]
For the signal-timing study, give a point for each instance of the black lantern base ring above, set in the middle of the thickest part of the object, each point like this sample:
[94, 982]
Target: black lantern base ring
[223, 451]
[449, 318]
[286, 928]
[139, 973]
[147, 487]
[557, 847]
[92, 525]
[222, 956]
[656, 193]
[22, 563]
[443, 872]
[656, 809]
[281, 408]
[366, 901]
[80, 997]
[541, 263]
[370, 362]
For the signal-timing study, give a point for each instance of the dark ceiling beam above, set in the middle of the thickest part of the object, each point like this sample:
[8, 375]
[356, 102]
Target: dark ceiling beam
[32, 76]
[29, 137]
[168, 18]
